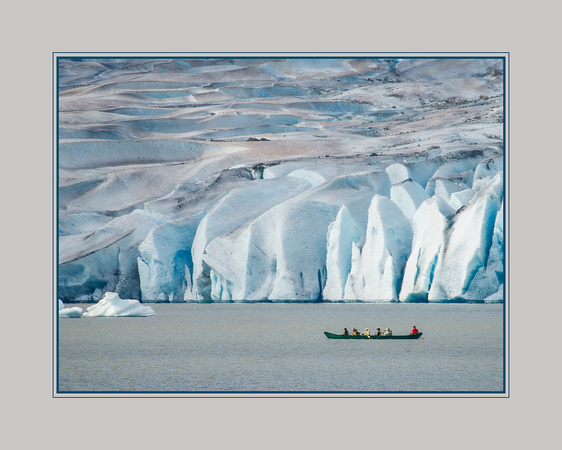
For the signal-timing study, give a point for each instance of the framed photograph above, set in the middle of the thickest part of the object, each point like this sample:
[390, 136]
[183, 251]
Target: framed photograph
[285, 224]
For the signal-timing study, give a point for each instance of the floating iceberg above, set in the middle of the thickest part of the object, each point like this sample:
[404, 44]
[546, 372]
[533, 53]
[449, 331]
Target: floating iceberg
[73, 312]
[113, 306]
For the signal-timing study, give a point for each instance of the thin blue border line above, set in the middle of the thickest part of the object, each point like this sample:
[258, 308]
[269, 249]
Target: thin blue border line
[506, 141]
[284, 392]
[412, 394]
[503, 224]
[54, 237]
[274, 394]
[368, 54]
[71, 392]
[505, 156]
[259, 56]
[507, 211]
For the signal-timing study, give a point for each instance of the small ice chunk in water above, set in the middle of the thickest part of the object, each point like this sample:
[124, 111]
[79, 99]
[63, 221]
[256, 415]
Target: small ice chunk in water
[76, 311]
[111, 305]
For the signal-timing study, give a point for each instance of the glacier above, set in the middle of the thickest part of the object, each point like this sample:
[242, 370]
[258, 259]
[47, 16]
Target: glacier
[286, 179]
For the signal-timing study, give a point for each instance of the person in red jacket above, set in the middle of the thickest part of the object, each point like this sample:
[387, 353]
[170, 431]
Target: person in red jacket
[414, 330]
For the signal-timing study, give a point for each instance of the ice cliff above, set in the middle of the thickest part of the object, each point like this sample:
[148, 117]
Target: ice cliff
[281, 179]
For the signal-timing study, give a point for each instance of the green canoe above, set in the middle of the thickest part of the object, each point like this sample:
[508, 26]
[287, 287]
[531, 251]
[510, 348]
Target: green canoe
[349, 336]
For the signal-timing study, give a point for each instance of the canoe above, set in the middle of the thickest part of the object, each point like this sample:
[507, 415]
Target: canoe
[375, 338]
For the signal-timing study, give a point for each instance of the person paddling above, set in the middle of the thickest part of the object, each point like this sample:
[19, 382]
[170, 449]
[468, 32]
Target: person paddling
[414, 330]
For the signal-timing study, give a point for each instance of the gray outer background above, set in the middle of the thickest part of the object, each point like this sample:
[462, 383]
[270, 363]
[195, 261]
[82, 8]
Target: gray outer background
[32, 418]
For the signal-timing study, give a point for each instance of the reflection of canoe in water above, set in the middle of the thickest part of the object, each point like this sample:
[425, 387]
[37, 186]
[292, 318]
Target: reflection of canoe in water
[375, 338]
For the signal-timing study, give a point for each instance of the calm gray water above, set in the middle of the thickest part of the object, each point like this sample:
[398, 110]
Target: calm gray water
[281, 347]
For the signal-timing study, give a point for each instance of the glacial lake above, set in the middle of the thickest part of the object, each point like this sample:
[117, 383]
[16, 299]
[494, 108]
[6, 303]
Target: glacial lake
[269, 348]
